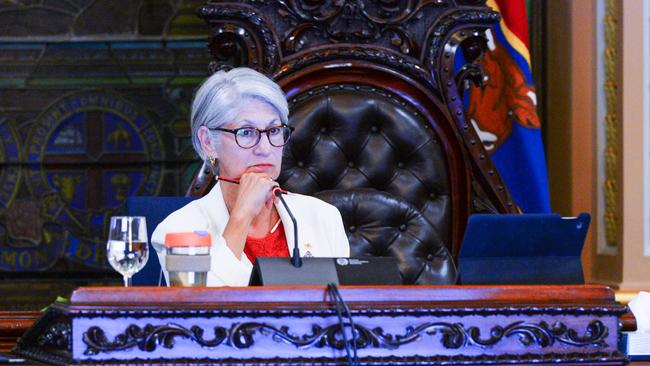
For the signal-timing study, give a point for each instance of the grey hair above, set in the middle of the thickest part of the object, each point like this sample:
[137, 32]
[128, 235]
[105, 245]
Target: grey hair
[219, 100]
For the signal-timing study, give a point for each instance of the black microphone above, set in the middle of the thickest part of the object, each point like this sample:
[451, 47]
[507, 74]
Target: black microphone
[295, 257]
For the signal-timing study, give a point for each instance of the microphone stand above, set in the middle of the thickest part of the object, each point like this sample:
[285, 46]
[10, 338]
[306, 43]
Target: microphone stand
[295, 257]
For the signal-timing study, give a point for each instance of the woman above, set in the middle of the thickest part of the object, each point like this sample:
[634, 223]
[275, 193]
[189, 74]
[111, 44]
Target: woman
[239, 124]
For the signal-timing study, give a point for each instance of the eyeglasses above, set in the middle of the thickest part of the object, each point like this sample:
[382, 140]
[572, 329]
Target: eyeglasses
[249, 137]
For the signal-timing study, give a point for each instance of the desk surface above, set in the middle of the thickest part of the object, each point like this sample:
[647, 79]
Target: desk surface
[171, 296]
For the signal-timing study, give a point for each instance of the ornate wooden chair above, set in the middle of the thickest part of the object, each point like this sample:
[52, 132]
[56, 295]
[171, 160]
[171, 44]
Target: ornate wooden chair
[376, 96]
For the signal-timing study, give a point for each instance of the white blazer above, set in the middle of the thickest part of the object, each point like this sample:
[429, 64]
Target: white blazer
[320, 233]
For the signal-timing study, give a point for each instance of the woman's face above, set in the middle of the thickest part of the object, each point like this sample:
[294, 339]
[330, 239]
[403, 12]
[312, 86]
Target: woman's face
[263, 157]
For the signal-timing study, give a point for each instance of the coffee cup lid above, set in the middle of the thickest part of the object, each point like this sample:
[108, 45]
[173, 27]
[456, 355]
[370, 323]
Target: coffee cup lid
[197, 238]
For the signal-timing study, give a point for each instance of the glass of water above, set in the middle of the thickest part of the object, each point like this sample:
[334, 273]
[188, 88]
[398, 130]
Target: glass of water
[127, 249]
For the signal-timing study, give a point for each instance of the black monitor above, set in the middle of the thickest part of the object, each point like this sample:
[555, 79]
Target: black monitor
[278, 271]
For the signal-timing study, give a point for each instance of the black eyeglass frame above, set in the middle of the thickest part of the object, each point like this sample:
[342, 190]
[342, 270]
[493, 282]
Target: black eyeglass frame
[259, 136]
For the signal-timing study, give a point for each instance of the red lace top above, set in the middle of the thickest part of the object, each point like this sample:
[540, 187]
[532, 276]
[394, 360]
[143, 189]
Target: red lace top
[272, 245]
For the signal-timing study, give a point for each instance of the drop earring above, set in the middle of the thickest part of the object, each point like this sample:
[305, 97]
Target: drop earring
[213, 167]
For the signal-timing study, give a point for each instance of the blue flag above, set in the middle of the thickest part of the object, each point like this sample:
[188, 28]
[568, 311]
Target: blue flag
[504, 111]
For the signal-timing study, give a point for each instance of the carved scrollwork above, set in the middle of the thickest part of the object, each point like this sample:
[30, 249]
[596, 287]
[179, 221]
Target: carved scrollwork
[241, 336]
[543, 335]
[402, 40]
[58, 335]
[379, 55]
[354, 21]
[443, 30]
[469, 73]
[257, 40]
[595, 335]
[228, 49]
[148, 338]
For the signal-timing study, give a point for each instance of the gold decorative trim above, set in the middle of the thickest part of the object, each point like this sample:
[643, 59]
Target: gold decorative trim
[611, 122]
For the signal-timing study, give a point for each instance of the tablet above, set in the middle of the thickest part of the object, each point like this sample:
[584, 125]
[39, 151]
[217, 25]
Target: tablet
[523, 249]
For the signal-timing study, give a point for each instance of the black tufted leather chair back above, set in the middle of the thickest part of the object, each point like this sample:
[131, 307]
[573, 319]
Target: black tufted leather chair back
[380, 224]
[351, 136]
[380, 162]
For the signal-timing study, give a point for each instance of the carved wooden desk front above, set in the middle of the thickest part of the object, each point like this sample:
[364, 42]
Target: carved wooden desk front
[294, 325]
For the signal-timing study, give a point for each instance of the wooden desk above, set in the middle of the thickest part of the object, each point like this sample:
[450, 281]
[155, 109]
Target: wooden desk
[14, 324]
[395, 325]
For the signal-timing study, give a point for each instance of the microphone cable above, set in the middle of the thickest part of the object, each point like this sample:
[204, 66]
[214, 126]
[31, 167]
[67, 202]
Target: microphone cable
[342, 310]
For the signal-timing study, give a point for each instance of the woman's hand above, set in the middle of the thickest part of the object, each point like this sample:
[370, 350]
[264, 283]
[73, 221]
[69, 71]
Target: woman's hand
[255, 191]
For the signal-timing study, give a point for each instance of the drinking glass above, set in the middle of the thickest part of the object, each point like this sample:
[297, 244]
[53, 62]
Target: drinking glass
[127, 249]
